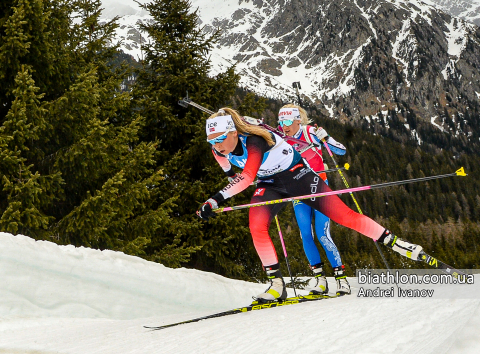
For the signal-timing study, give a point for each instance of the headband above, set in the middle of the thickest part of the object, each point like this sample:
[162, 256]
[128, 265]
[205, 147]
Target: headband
[289, 113]
[219, 124]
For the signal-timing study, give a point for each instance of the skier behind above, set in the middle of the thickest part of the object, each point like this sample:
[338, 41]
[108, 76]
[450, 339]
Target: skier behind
[293, 121]
[282, 173]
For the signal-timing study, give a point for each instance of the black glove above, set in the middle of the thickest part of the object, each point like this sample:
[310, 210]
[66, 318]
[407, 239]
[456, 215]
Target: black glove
[206, 211]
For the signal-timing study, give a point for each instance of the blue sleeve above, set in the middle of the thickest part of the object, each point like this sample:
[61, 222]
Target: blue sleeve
[336, 147]
[315, 138]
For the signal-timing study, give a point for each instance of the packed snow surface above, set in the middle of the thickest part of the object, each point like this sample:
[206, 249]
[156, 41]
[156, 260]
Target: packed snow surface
[62, 299]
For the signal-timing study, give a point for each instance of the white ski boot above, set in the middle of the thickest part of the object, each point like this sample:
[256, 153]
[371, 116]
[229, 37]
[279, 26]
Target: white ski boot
[277, 290]
[321, 284]
[343, 288]
[407, 249]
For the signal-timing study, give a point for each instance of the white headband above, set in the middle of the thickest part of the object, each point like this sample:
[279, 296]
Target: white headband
[289, 113]
[219, 124]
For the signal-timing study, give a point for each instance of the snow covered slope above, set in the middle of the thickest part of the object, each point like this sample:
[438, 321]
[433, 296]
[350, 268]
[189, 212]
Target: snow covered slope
[130, 13]
[42, 279]
[77, 300]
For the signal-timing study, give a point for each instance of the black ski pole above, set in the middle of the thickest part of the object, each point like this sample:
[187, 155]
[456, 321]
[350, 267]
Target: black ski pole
[296, 86]
[286, 255]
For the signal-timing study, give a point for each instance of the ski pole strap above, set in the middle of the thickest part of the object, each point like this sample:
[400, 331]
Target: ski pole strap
[459, 172]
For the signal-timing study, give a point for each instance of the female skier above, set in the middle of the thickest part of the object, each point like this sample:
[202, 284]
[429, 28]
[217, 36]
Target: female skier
[282, 173]
[293, 121]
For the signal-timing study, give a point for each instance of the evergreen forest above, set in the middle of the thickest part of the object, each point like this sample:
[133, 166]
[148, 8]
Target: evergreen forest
[89, 157]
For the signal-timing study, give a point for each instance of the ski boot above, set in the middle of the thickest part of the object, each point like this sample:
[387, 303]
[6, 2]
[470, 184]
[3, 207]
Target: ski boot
[321, 285]
[277, 290]
[403, 247]
[343, 288]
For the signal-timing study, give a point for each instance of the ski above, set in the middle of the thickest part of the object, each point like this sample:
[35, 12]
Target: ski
[435, 263]
[252, 307]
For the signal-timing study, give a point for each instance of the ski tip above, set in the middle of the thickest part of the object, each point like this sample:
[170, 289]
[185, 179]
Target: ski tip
[460, 172]
[347, 166]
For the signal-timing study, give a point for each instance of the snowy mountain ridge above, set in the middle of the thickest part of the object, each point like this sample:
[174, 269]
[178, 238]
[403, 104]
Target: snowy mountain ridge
[468, 10]
[272, 56]
[354, 58]
[267, 64]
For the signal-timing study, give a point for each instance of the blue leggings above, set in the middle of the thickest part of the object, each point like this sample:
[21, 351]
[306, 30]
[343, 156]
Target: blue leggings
[304, 215]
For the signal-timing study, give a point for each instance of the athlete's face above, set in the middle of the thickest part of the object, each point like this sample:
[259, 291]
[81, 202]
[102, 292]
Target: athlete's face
[226, 146]
[292, 129]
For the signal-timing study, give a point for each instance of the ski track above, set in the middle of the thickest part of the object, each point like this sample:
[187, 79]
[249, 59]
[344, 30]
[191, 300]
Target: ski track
[332, 325]
[68, 312]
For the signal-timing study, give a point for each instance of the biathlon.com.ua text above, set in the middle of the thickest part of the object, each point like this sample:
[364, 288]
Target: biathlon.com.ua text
[413, 283]
[396, 277]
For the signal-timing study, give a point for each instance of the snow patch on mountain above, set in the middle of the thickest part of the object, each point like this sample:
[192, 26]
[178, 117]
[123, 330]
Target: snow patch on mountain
[456, 37]
[130, 13]
[432, 120]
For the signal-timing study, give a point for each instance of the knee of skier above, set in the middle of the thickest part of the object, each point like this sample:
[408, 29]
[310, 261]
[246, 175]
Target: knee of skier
[259, 220]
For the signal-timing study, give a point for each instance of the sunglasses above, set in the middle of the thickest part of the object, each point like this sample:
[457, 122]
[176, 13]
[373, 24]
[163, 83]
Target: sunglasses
[286, 122]
[219, 139]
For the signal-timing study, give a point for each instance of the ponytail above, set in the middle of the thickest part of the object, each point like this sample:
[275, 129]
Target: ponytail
[244, 128]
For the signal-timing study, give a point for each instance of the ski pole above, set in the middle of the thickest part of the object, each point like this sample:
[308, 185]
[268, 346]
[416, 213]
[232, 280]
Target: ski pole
[353, 197]
[296, 86]
[459, 172]
[187, 101]
[286, 256]
[345, 167]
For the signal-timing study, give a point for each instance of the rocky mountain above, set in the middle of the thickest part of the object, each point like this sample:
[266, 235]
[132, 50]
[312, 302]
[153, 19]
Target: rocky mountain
[468, 10]
[396, 63]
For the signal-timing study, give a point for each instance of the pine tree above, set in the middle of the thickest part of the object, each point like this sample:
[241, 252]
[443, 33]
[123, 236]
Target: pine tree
[34, 33]
[73, 169]
[25, 192]
[176, 61]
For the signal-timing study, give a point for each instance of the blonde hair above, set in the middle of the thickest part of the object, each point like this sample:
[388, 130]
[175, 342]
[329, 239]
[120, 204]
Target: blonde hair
[242, 127]
[303, 113]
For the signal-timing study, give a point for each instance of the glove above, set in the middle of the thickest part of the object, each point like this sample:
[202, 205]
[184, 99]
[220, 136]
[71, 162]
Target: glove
[321, 134]
[231, 178]
[206, 211]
